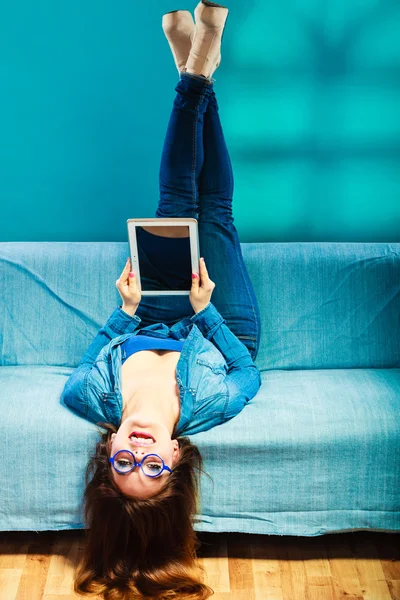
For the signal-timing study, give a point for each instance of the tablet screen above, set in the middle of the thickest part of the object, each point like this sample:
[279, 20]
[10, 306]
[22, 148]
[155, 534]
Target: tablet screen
[164, 257]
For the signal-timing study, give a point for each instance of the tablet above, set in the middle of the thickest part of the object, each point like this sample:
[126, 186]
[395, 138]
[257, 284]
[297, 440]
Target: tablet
[164, 254]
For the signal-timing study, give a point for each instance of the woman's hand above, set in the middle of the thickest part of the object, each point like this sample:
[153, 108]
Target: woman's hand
[128, 289]
[202, 288]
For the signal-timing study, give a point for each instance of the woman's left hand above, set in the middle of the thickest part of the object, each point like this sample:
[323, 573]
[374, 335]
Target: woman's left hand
[128, 288]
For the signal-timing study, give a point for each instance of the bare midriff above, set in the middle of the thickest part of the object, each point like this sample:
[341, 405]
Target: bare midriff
[146, 366]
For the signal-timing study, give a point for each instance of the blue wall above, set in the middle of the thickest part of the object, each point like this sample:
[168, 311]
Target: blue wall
[309, 97]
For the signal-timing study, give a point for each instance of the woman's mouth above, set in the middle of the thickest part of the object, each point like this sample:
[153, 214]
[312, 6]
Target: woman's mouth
[142, 438]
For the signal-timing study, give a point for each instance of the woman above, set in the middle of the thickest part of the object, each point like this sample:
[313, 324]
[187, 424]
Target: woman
[179, 373]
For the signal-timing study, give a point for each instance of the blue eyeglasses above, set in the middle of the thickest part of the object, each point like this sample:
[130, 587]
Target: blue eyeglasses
[152, 465]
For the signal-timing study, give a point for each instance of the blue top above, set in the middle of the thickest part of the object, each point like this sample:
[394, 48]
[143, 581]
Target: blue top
[143, 342]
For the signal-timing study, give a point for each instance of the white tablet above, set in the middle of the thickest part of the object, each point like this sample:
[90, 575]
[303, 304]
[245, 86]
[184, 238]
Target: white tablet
[164, 254]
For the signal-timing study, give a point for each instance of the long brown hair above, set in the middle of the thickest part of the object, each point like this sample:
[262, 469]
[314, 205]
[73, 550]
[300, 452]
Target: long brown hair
[141, 549]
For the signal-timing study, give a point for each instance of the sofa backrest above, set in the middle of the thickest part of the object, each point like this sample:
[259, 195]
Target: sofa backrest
[324, 305]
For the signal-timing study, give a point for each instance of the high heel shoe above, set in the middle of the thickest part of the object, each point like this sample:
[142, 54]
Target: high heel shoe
[179, 29]
[205, 53]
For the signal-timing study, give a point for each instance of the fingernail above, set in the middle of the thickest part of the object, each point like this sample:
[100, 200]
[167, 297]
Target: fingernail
[202, 259]
[194, 275]
[131, 274]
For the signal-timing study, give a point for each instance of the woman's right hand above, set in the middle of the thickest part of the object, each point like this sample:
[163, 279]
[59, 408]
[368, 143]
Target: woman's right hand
[201, 290]
[128, 288]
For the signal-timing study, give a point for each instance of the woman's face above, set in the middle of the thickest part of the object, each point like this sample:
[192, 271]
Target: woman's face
[136, 483]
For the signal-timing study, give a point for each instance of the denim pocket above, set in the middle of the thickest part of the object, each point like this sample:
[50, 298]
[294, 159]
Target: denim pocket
[215, 367]
[99, 394]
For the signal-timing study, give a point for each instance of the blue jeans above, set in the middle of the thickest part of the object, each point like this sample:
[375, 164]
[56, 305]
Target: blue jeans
[196, 180]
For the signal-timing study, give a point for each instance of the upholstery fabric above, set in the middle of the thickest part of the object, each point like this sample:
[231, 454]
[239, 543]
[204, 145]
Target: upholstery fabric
[316, 451]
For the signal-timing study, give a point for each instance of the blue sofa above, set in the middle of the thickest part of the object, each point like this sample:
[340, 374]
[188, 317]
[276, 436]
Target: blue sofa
[316, 451]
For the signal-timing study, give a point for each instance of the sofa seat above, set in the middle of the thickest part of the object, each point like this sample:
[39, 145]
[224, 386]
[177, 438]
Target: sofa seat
[316, 451]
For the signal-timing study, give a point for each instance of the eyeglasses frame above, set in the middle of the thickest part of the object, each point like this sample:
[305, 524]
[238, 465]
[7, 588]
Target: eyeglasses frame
[139, 464]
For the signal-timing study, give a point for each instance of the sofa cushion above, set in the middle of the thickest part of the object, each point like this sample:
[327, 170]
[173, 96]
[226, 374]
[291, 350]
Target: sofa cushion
[314, 452]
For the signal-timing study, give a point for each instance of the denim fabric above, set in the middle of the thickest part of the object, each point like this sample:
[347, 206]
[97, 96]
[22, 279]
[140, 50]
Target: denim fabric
[215, 373]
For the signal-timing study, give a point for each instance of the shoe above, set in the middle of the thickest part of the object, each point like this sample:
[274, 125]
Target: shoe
[205, 53]
[179, 28]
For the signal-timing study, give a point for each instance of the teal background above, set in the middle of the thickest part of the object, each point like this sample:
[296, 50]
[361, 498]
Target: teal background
[309, 97]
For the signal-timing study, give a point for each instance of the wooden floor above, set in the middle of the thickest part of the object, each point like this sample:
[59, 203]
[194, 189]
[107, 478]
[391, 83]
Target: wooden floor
[349, 566]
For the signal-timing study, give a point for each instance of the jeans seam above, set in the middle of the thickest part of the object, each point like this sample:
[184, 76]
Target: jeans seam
[194, 154]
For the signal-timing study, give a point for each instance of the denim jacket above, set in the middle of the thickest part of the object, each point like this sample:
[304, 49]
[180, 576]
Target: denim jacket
[215, 373]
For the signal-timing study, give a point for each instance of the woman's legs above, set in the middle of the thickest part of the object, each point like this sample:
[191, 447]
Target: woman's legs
[196, 174]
